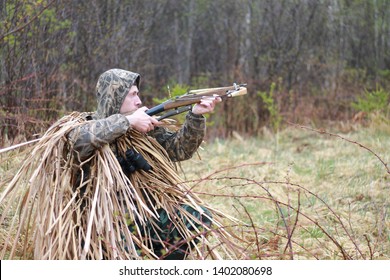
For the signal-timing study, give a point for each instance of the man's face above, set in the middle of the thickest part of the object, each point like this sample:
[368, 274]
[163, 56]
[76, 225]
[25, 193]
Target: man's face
[132, 101]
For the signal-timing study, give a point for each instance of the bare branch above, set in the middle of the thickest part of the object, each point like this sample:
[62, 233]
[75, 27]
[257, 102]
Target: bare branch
[345, 139]
[27, 23]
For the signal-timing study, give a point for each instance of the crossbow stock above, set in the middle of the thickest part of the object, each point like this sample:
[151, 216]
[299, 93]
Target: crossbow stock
[184, 102]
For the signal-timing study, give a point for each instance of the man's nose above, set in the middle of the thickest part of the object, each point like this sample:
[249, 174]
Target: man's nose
[138, 102]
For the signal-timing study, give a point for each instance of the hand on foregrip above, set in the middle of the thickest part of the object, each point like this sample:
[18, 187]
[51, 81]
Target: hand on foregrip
[206, 105]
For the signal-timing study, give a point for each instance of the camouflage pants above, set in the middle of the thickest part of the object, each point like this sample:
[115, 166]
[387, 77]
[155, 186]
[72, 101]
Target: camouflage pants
[170, 237]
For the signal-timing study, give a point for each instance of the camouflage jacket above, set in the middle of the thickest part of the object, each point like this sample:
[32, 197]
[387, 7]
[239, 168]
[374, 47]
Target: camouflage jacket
[106, 125]
[180, 145]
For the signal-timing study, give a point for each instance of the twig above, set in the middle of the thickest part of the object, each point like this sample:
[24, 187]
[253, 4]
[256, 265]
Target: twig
[322, 131]
[18, 146]
[27, 23]
[369, 246]
[279, 203]
[253, 227]
[290, 234]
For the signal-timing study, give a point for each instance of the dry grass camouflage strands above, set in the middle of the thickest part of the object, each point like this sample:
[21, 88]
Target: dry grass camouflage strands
[109, 215]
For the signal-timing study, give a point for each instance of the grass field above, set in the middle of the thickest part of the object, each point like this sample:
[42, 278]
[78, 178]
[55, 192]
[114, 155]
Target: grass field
[301, 194]
[305, 194]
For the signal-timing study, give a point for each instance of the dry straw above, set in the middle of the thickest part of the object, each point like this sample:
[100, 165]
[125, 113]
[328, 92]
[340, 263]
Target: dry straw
[45, 216]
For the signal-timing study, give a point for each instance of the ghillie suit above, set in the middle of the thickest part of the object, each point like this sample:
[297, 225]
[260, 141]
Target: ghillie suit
[73, 198]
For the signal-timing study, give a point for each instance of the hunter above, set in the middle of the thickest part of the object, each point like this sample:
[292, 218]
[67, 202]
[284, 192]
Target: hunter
[120, 111]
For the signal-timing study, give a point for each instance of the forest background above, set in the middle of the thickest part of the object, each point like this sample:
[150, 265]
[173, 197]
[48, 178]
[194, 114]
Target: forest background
[314, 190]
[305, 61]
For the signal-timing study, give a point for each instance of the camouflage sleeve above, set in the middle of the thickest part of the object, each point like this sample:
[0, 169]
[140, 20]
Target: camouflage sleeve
[95, 133]
[182, 144]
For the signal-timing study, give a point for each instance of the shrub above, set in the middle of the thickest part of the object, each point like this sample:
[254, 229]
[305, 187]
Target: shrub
[373, 102]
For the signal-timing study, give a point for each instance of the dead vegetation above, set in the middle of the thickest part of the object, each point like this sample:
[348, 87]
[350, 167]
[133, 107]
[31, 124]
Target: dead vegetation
[300, 194]
[313, 195]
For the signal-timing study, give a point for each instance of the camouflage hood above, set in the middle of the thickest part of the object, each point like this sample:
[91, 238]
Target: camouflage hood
[111, 90]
